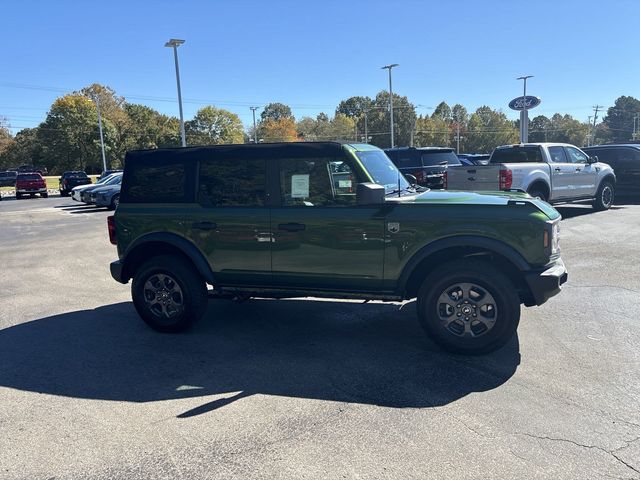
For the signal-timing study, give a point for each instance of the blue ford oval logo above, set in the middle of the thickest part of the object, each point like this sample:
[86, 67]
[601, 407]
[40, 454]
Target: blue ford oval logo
[528, 102]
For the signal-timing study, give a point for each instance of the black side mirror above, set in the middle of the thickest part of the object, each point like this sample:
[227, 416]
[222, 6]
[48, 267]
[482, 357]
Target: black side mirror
[411, 179]
[370, 194]
[593, 159]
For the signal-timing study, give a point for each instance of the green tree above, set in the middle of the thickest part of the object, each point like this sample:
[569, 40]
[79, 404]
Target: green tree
[276, 111]
[355, 108]
[539, 129]
[487, 129]
[619, 119]
[70, 138]
[443, 112]
[6, 138]
[431, 132]
[404, 117]
[25, 148]
[150, 129]
[212, 126]
[281, 130]
[322, 128]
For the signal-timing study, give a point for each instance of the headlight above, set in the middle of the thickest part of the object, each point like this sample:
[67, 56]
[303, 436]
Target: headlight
[551, 238]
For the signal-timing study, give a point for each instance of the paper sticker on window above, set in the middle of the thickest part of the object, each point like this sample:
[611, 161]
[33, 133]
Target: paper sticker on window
[344, 183]
[299, 186]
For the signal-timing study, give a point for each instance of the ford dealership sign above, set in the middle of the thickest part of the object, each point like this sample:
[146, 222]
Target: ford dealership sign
[528, 102]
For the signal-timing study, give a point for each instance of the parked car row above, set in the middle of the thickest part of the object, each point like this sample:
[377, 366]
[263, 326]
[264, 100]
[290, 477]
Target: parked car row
[104, 193]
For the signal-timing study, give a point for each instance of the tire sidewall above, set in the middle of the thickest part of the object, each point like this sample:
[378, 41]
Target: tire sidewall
[600, 205]
[507, 302]
[185, 279]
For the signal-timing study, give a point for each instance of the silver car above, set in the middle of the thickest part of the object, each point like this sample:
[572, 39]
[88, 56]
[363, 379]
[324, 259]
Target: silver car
[107, 196]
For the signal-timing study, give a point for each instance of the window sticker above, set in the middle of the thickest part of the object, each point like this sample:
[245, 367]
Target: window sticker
[299, 186]
[344, 183]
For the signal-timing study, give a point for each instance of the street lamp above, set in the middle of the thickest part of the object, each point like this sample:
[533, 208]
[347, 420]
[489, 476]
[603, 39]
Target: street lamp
[175, 43]
[389, 67]
[524, 118]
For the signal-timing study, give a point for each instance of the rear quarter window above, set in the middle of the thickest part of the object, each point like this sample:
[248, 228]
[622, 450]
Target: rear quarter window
[157, 183]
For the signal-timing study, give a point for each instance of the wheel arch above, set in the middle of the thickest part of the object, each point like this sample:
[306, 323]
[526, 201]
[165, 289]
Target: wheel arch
[542, 184]
[432, 256]
[164, 243]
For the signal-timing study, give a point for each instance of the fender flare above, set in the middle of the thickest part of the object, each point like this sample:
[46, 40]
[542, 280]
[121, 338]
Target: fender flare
[485, 243]
[186, 247]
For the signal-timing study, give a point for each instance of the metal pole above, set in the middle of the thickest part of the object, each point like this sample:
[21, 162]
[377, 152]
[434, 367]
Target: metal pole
[255, 130]
[524, 118]
[366, 129]
[182, 132]
[458, 138]
[104, 158]
[389, 67]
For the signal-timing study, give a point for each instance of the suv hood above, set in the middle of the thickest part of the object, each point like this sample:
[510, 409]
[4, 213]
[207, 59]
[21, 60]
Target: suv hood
[479, 198]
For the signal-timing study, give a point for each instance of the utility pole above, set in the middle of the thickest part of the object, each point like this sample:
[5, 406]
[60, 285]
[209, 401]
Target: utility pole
[589, 131]
[389, 67]
[595, 119]
[175, 43]
[366, 128]
[636, 126]
[457, 138]
[255, 131]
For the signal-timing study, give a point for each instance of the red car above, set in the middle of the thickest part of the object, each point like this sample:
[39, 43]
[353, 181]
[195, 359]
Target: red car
[30, 184]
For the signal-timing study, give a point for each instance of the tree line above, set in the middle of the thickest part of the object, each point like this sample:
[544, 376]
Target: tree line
[69, 139]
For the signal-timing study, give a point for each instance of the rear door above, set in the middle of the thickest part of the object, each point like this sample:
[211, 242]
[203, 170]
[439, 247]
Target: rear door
[321, 238]
[627, 170]
[231, 224]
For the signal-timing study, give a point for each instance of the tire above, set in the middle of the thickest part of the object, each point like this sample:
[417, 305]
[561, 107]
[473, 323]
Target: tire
[115, 200]
[177, 284]
[45, 195]
[605, 196]
[492, 305]
[537, 192]
[64, 193]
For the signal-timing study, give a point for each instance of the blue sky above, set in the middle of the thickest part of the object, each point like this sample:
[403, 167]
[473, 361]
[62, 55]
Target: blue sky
[311, 55]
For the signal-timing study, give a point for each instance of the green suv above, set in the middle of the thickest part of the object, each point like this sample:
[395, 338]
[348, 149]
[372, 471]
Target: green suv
[330, 220]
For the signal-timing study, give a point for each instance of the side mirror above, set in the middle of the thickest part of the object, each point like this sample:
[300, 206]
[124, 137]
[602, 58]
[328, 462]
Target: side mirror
[593, 159]
[411, 179]
[370, 194]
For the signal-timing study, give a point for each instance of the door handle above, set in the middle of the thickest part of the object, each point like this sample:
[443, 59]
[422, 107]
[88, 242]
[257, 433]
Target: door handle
[204, 225]
[291, 227]
[578, 169]
[557, 169]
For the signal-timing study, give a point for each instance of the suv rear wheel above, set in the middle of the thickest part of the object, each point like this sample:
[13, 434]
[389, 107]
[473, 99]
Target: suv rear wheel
[169, 294]
[468, 307]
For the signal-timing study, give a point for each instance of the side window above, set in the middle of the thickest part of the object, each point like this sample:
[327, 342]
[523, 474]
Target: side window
[316, 182]
[575, 156]
[157, 183]
[557, 155]
[232, 183]
[606, 155]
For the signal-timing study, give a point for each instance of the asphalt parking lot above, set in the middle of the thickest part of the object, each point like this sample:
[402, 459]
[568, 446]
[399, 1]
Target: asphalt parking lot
[308, 388]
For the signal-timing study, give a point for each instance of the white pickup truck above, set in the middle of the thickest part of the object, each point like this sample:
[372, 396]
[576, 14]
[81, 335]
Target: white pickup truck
[553, 172]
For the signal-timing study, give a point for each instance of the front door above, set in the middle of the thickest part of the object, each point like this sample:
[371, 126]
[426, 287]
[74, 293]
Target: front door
[321, 238]
[232, 227]
[562, 174]
[585, 174]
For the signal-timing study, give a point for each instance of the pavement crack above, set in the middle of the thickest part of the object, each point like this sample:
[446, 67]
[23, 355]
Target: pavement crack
[596, 447]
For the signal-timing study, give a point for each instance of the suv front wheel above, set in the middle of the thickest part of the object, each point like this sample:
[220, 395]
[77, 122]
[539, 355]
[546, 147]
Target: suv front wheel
[169, 294]
[469, 307]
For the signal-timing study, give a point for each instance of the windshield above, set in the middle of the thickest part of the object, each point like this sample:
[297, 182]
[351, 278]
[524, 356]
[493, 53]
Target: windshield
[516, 154]
[114, 179]
[382, 170]
[437, 158]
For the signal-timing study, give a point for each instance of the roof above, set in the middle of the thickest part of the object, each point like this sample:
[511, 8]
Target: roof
[246, 150]
[614, 145]
[422, 149]
[537, 144]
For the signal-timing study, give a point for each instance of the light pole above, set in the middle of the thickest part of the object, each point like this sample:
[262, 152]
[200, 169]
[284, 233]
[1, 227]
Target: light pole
[255, 131]
[524, 118]
[175, 43]
[104, 158]
[389, 67]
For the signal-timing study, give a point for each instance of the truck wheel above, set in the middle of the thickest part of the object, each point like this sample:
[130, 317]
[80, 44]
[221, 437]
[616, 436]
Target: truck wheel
[45, 195]
[605, 196]
[468, 307]
[169, 294]
[537, 192]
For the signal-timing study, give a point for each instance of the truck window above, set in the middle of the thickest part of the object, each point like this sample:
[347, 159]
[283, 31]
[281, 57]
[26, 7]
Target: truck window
[575, 156]
[557, 155]
[516, 154]
[437, 158]
[232, 183]
[316, 182]
[156, 183]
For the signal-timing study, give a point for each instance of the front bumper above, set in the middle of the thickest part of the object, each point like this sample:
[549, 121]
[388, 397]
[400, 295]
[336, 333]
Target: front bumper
[117, 268]
[546, 283]
[31, 190]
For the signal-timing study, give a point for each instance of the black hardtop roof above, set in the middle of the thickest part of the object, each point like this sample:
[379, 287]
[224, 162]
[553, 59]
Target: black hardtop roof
[614, 145]
[267, 151]
[420, 149]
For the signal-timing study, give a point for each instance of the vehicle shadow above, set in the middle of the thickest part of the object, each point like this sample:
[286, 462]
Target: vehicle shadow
[325, 350]
[80, 208]
[573, 211]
